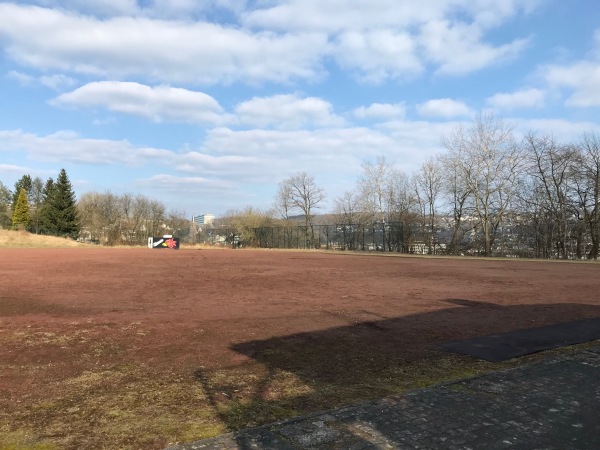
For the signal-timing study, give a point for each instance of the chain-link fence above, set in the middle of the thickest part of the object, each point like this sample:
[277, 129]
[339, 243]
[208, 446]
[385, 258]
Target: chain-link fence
[515, 238]
[389, 237]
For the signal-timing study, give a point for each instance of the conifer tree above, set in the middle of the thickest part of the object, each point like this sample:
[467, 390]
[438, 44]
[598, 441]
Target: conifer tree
[59, 210]
[47, 214]
[20, 218]
[23, 183]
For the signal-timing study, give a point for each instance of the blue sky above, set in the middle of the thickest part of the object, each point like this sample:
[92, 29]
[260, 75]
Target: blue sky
[208, 105]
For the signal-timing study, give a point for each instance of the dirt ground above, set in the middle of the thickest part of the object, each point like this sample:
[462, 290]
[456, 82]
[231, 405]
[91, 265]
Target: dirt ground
[136, 348]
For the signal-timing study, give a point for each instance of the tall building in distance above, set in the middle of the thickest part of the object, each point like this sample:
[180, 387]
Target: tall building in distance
[203, 219]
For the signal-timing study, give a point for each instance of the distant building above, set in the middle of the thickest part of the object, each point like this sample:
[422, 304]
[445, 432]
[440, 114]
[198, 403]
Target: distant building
[204, 219]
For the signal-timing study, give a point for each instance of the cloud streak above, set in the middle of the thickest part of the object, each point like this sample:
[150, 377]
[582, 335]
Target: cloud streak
[156, 103]
[281, 44]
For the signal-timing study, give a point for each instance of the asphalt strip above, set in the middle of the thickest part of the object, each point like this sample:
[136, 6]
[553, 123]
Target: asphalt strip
[503, 346]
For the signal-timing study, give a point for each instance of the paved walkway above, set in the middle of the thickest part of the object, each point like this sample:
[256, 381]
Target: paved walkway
[551, 404]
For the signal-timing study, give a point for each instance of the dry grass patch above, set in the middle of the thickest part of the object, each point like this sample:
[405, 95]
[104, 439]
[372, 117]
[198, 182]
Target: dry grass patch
[23, 239]
[131, 405]
[126, 406]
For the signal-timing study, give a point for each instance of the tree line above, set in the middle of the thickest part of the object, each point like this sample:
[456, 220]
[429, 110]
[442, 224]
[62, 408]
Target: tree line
[488, 193]
[51, 208]
[127, 219]
[40, 207]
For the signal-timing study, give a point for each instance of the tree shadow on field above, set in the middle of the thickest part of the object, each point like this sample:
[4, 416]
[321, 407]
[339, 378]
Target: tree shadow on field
[314, 371]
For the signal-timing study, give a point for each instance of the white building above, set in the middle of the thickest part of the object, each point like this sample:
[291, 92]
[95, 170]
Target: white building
[204, 219]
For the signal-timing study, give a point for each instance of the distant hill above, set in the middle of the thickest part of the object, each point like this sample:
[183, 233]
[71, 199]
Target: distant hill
[23, 239]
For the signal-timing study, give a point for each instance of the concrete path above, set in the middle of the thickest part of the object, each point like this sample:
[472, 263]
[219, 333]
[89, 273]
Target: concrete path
[551, 404]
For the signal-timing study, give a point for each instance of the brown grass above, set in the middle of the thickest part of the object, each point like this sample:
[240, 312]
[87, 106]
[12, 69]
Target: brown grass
[23, 239]
[134, 406]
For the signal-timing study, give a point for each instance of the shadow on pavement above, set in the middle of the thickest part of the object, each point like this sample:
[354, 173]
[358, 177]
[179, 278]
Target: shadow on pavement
[368, 359]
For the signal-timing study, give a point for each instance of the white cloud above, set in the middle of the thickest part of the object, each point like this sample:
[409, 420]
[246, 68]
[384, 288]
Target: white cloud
[526, 98]
[383, 39]
[198, 190]
[582, 78]
[225, 165]
[377, 55]
[562, 130]
[320, 152]
[158, 103]
[458, 48]
[338, 15]
[383, 111]
[417, 140]
[56, 82]
[444, 107]
[287, 112]
[175, 51]
[68, 146]
[189, 185]
[330, 144]
[491, 13]
[176, 42]
[335, 15]
[12, 169]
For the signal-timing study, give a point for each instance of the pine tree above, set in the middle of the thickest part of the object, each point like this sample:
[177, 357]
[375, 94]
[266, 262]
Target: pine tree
[47, 214]
[59, 210]
[23, 183]
[20, 218]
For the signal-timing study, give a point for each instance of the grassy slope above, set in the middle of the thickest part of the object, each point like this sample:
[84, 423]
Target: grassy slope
[23, 239]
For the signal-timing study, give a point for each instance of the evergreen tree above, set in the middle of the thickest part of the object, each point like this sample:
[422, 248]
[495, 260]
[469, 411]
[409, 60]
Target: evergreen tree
[20, 218]
[23, 183]
[59, 211]
[46, 215]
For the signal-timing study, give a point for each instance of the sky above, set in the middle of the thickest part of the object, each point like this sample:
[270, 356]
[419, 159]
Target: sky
[208, 105]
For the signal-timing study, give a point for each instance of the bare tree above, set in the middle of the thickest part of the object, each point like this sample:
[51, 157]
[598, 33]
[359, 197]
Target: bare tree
[243, 225]
[178, 225]
[376, 187]
[283, 200]
[387, 198]
[120, 219]
[587, 188]
[303, 194]
[488, 159]
[351, 218]
[550, 165]
[458, 199]
[36, 200]
[428, 185]
[100, 218]
[5, 202]
[348, 208]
